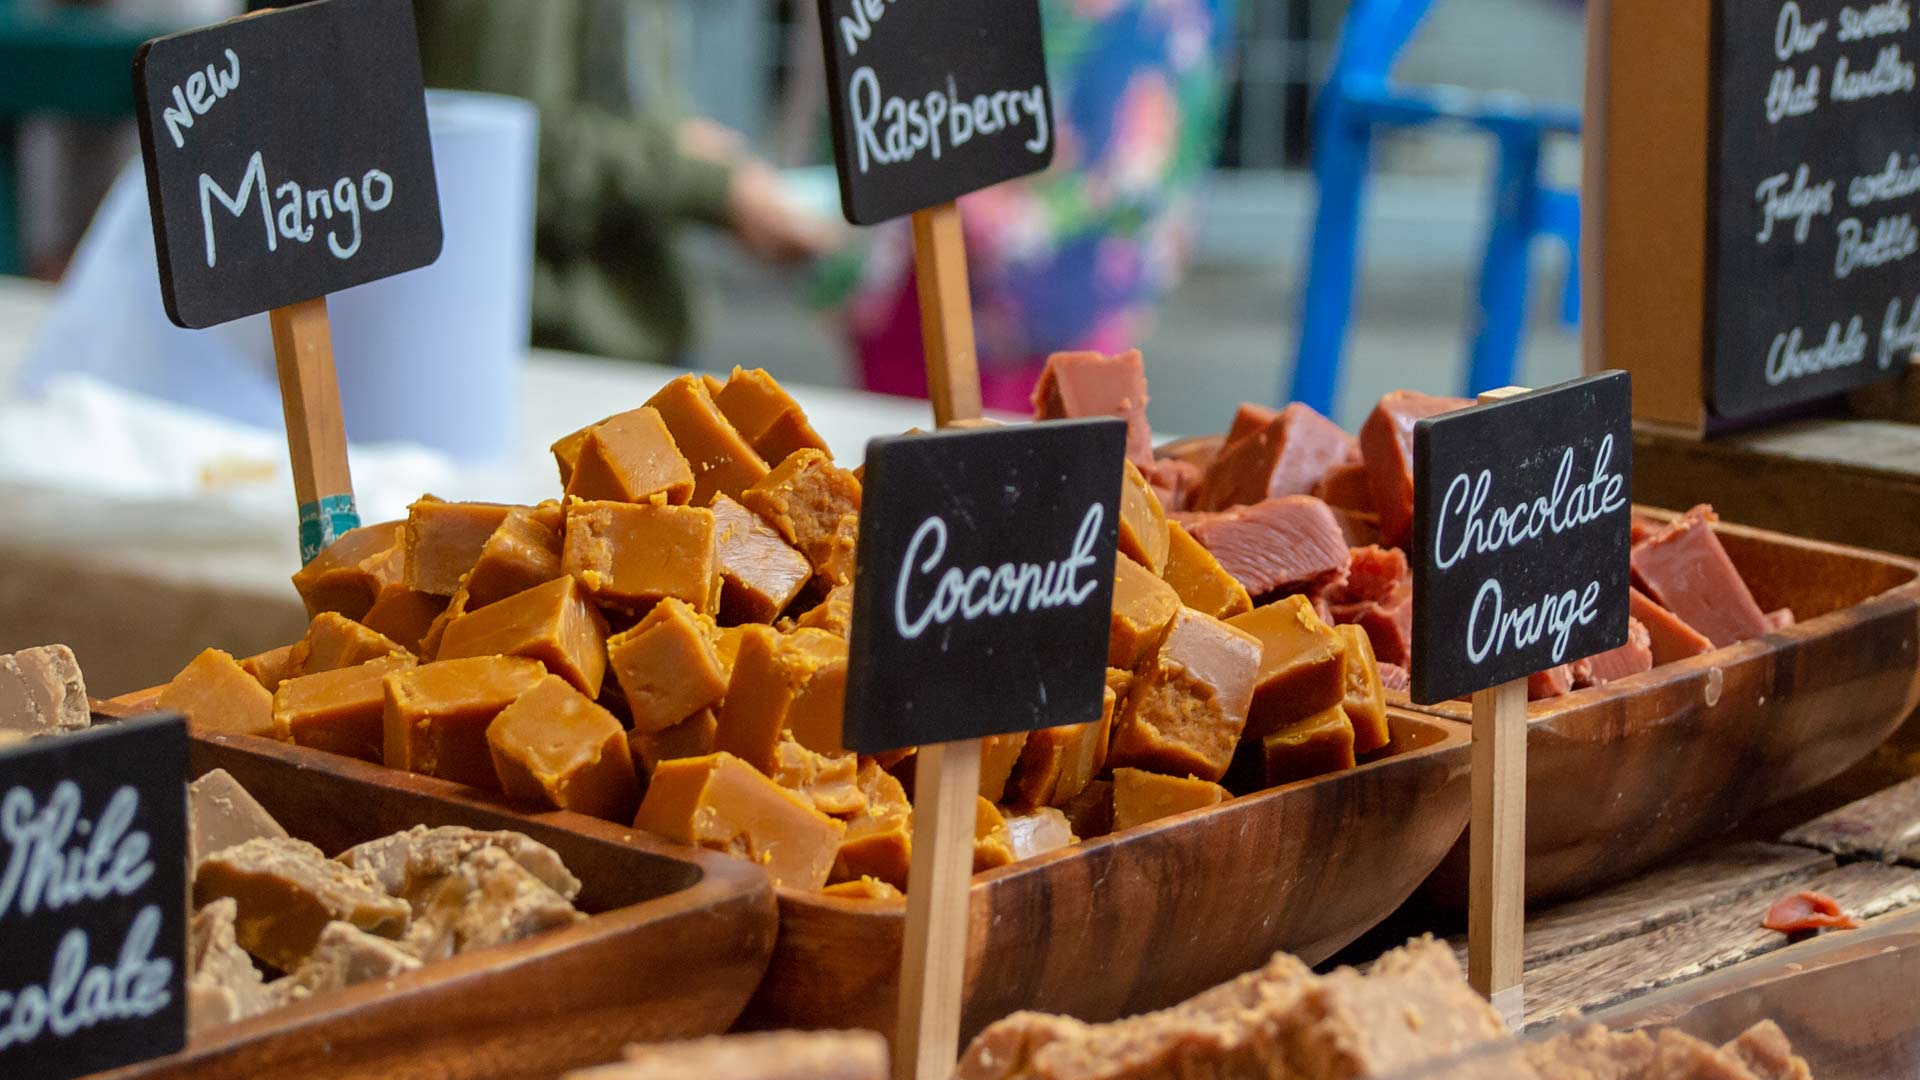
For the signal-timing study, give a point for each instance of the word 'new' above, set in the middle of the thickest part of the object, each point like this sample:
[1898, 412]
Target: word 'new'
[978, 591]
[198, 95]
[300, 209]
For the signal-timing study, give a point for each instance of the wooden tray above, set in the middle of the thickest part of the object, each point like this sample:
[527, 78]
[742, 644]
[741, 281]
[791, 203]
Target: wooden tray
[678, 940]
[1624, 775]
[1151, 916]
[1845, 1000]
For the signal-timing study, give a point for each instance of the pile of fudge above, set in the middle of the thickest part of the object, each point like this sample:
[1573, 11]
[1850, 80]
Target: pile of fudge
[1292, 505]
[276, 922]
[666, 645]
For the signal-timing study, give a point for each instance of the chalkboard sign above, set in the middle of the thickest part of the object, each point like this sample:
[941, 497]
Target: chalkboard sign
[1815, 137]
[93, 888]
[1522, 527]
[932, 99]
[984, 592]
[287, 157]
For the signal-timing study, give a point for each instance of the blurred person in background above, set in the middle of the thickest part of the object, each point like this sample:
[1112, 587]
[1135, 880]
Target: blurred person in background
[622, 166]
[1080, 256]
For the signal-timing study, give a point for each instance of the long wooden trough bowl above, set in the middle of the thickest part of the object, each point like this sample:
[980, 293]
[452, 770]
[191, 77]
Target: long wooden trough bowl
[1150, 916]
[676, 942]
[1622, 776]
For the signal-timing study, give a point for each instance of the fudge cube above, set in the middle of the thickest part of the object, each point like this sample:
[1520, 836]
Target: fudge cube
[1140, 796]
[723, 461]
[809, 501]
[1365, 701]
[552, 623]
[1287, 456]
[339, 711]
[760, 573]
[1198, 578]
[566, 450]
[631, 556]
[436, 715]
[287, 892]
[784, 682]
[830, 782]
[1685, 569]
[1081, 384]
[998, 755]
[1188, 703]
[42, 692]
[725, 804]
[667, 666]
[834, 614]
[221, 813]
[1143, 605]
[556, 747]
[349, 573]
[766, 416]
[879, 839]
[272, 667]
[630, 458]
[692, 737]
[1322, 743]
[523, 552]
[1302, 664]
[444, 540]
[1143, 522]
[1058, 762]
[333, 641]
[217, 695]
[404, 617]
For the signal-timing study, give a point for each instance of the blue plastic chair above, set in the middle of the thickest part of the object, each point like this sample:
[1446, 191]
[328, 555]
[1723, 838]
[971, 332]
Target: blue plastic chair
[1360, 98]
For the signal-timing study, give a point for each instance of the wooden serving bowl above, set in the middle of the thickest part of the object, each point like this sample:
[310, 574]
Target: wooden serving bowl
[677, 941]
[1622, 776]
[1150, 916]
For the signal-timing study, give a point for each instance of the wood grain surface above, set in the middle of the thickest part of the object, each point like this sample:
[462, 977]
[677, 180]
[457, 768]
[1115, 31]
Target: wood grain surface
[1625, 775]
[1884, 827]
[676, 943]
[1150, 916]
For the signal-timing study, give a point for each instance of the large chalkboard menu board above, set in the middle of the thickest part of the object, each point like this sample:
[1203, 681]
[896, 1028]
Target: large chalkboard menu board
[1816, 141]
[1752, 185]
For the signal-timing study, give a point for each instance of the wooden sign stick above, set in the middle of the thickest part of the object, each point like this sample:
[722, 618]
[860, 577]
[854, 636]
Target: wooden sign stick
[1497, 849]
[933, 959]
[316, 432]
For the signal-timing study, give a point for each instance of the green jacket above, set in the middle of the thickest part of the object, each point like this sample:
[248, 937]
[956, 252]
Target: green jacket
[613, 186]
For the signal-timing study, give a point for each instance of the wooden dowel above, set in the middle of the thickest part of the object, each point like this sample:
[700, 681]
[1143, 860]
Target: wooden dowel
[1497, 850]
[933, 965]
[316, 432]
[946, 314]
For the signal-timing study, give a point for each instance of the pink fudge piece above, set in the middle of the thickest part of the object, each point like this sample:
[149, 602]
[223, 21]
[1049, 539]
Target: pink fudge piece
[1077, 384]
[1292, 543]
[1386, 444]
[1669, 636]
[1632, 658]
[1288, 456]
[1685, 570]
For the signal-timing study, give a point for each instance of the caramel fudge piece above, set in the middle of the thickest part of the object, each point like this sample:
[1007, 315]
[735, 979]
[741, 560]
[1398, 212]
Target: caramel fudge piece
[1143, 522]
[338, 711]
[834, 614]
[1188, 703]
[766, 416]
[1143, 605]
[772, 1055]
[784, 682]
[829, 781]
[444, 540]
[991, 845]
[487, 898]
[223, 985]
[274, 666]
[522, 553]
[864, 888]
[1037, 833]
[221, 813]
[631, 458]
[723, 462]
[632, 555]
[437, 630]
[566, 450]
[1199, 579]
[287, 892]
[810, 502]
[344, 955]
[1057, 762]
[723, 803]
[1322, 743]
[1140, 796]
[760, 573]
[349, 573]
[217, 695]
[552, 623]
[1366, 698]
[1302, 664]
[334, 641]
[404, 617]
[667, 666]
[1090, 813]
[879, 839]
[692, 737]
[998, 755]
[555, 746]
[42, 692]
[436, 715]
[411, 864]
